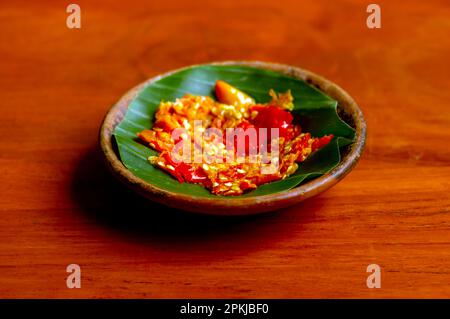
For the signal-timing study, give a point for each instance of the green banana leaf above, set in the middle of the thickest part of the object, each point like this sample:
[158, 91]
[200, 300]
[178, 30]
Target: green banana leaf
[317, 115]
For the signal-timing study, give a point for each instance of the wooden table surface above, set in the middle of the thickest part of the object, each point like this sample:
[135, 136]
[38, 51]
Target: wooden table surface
[60, 206]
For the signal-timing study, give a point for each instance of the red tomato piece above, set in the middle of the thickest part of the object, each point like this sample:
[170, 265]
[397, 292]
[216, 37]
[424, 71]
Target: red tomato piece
[272, 117]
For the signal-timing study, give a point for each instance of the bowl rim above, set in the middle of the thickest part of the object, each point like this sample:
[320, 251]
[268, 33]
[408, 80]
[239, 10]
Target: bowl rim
[241, 205]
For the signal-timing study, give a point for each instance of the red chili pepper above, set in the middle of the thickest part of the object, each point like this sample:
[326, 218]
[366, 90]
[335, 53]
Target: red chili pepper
[244, 185]
[248, 145]
[321, 142]
[193, 175]
[263, 179]
[184, 171]
[176, 172]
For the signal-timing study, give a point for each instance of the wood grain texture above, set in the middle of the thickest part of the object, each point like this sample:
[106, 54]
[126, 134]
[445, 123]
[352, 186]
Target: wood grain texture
[59, 205]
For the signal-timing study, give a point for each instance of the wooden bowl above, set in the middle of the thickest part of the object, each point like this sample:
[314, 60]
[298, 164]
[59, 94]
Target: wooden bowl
[347, 109]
